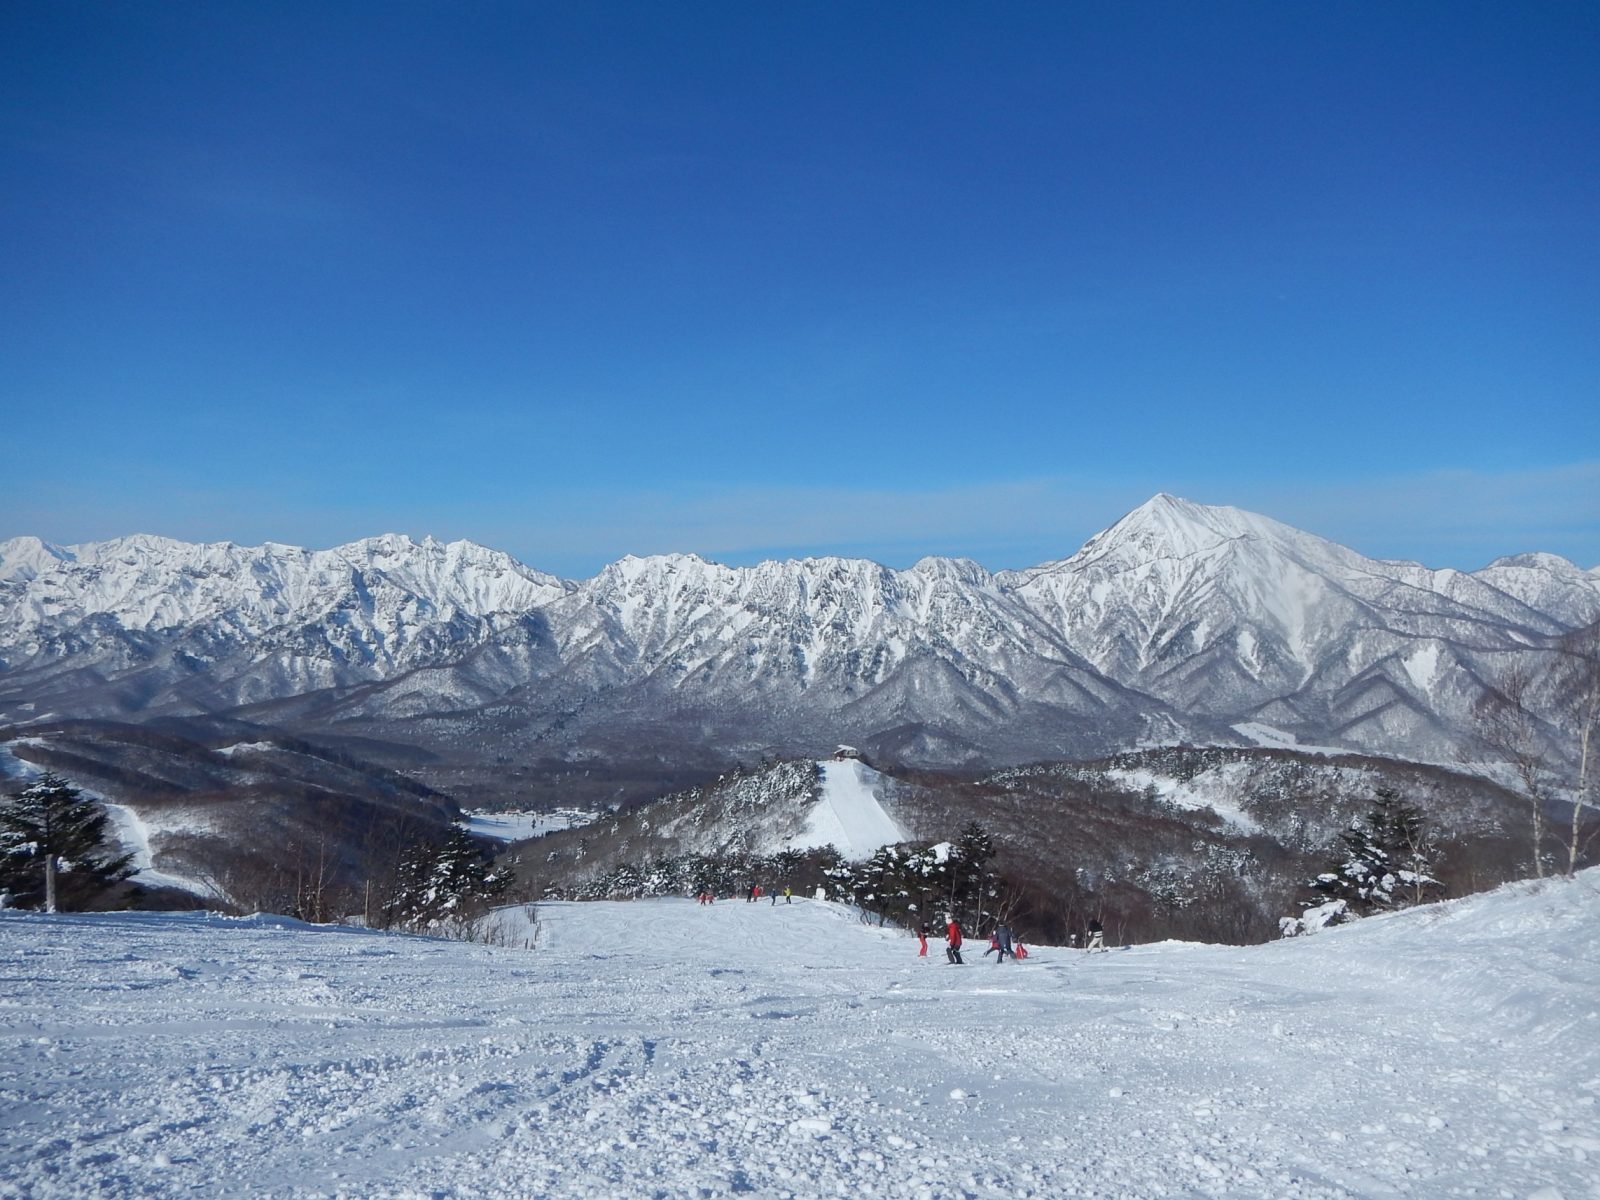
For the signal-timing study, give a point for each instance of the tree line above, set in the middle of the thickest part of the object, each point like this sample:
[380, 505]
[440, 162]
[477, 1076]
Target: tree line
[58, 853]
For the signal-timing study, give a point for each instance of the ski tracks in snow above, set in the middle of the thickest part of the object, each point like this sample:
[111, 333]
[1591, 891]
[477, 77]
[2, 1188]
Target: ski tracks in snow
[667, 1049]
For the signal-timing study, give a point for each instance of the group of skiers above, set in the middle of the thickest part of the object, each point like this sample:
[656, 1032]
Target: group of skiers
[756, 892]
[752, 894]
[1001, 942]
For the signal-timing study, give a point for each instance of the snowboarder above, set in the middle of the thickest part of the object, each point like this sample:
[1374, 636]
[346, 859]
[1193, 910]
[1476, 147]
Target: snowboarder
[1097, 935]
[788, 895]
[952, 935]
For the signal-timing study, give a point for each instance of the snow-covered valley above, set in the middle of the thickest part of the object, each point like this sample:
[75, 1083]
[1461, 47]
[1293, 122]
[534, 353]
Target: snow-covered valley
[663, 1048]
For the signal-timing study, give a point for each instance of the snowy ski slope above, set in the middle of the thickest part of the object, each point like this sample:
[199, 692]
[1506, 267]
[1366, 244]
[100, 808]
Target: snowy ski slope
[666, 1049]
[848, 814]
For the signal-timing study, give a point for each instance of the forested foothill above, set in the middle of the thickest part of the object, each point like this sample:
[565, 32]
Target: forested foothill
[1136, 841]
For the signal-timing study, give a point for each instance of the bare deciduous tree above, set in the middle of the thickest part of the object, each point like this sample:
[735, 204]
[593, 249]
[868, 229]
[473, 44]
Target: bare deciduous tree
[1578, 681]
[1509, 728]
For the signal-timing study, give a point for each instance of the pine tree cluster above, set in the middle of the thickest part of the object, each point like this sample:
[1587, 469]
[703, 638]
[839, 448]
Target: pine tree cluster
[907, 885]
[729, 874]
[53, 839]
[1385, 860]
[443, 881]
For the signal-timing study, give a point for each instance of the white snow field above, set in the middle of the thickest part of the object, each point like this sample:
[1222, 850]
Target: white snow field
[666, 1049]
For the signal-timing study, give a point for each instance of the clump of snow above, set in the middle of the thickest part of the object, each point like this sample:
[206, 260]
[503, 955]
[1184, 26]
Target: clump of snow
[1334, 912]
[664, 1048]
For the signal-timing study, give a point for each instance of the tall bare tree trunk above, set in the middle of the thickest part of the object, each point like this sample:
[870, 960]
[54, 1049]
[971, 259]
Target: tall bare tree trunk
[1509, 728]
[49, 883]
[1583, 675]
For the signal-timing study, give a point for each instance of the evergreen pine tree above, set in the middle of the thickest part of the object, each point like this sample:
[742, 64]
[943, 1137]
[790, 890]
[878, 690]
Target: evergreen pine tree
[439, 879]
[55, 851]
[1385, 859]
[971, 883]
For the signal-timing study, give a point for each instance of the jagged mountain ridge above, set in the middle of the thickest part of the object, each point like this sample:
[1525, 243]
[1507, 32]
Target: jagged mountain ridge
[1177, 623]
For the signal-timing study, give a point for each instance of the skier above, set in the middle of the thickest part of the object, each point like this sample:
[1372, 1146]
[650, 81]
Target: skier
[952, 934]
[1002, 942]
[922, 939]
[788, 895]
[1097, 935]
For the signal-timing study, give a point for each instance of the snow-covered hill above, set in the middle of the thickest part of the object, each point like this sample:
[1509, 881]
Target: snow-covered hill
[666, 1048]
[1181, 622]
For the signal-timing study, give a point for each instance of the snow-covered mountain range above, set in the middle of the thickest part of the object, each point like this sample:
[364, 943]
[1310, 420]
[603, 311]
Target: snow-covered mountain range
[1180, 622]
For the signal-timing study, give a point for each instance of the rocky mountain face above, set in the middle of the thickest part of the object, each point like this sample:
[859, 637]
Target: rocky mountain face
[1181, 622]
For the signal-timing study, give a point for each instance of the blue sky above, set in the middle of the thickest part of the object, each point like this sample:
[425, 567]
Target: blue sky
[751, 280]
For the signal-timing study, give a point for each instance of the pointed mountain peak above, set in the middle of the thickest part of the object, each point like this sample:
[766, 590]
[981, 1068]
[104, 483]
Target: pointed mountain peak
[1169, 526]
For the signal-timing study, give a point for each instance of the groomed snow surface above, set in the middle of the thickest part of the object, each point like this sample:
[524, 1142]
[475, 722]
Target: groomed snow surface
[667, 1049]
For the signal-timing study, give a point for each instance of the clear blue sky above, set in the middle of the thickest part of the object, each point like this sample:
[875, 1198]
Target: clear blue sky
[759, 279]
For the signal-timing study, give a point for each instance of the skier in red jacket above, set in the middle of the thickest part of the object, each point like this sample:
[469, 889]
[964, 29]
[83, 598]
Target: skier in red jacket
[952, 935]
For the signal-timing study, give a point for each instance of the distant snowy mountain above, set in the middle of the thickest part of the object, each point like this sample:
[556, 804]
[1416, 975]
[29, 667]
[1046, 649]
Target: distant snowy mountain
[1228, 614]
[1181, 622]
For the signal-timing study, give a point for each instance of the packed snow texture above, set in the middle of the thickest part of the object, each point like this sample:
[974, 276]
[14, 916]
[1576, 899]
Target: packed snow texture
[663, 1048]
[848, 814]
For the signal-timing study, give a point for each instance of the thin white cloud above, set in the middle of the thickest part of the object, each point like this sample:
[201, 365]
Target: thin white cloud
[1450, 517]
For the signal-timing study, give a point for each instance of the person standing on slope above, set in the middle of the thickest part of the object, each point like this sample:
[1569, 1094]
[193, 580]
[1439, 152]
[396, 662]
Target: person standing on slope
[922, 939]
[1097, 935]
[952, 937]
[1002, 943]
